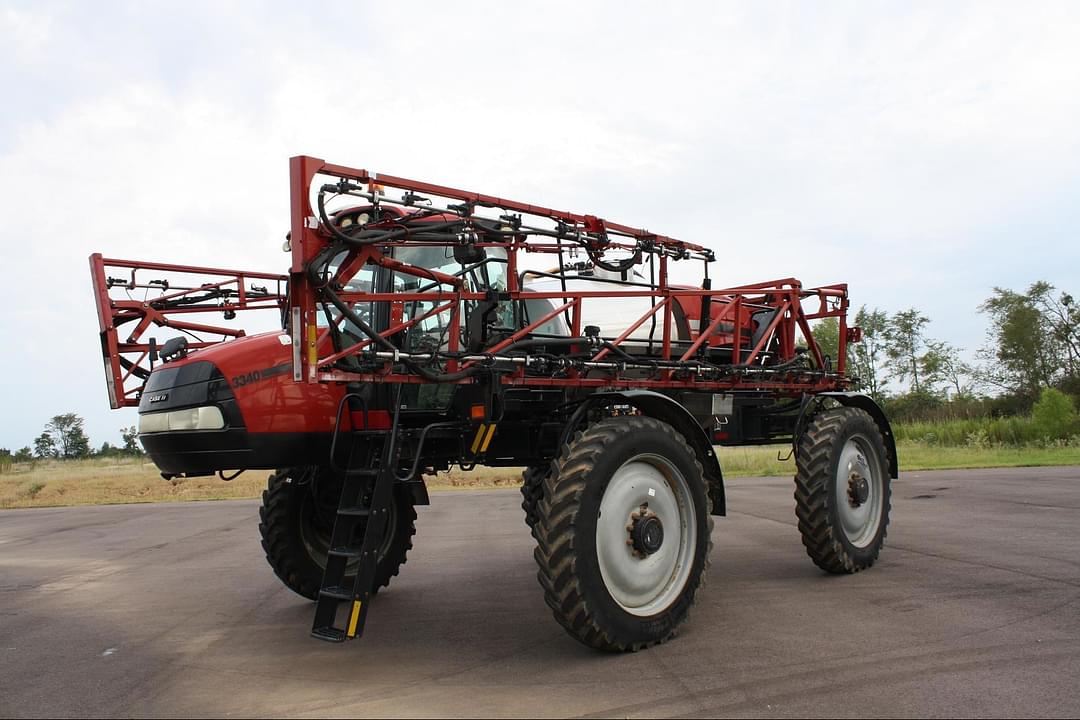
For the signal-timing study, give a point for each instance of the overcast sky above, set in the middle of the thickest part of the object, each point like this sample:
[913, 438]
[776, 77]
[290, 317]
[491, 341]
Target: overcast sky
[922, 153]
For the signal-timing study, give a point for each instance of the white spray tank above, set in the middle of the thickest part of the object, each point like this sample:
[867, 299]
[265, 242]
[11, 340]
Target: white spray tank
[613, 315]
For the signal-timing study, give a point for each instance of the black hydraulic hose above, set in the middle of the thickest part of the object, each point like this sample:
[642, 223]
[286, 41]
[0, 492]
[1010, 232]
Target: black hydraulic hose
[315, 275]
[190, 299]
[652, 299]
[427, 234]
[562, 281]
[371, 237]
[420, 448]
[332, 227]
[793, 362]
[348, 312]
[538, 342]
[619, 267]
[442, 377]
[566, 341]
[389, 346]
[615, 349]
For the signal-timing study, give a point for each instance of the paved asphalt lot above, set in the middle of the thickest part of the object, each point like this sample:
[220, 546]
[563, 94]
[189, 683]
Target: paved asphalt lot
[170, 610]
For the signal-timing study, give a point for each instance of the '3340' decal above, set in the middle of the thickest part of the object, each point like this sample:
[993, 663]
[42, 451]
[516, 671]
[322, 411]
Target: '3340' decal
[255, 376]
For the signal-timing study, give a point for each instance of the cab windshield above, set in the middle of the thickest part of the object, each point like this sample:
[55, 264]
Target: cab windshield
[487, 274]
[431, 334]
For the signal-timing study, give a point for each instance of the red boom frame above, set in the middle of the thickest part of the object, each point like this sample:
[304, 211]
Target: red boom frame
[786, 297]
[128, 360]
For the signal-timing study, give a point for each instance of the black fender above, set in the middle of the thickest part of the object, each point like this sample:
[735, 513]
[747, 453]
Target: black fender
[865, 402]
[661, 407]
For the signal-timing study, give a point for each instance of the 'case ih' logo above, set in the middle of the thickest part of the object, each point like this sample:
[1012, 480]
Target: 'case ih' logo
[159, 398]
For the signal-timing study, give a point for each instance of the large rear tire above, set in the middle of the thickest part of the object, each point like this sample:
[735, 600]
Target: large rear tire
[623, 533]
[296, 519]
[842, 490]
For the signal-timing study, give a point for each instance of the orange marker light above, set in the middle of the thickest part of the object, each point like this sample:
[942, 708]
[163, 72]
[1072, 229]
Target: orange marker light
[477, 412]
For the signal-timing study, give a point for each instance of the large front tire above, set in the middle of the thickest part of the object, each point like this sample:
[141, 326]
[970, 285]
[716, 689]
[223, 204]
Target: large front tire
[532, 490]
[623, 533]
[842, 490]
[296, 520]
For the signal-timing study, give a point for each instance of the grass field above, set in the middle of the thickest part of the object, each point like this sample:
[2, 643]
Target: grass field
[109, 481]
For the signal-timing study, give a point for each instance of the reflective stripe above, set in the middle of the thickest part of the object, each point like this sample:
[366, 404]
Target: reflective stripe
[479, 438]
[313, 352]
[354, 619]
[487, 440]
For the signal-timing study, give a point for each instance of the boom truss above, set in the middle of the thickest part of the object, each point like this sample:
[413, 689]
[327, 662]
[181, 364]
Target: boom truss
[783, 358]
[752, 337]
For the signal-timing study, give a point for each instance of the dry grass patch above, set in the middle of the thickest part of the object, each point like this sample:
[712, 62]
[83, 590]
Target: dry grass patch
[109, 481]
[134, 480]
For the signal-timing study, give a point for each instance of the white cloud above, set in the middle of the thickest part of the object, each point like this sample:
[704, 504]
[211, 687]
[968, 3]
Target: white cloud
[26, 33]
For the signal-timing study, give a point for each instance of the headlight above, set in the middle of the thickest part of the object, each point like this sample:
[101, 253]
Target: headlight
[198, 418]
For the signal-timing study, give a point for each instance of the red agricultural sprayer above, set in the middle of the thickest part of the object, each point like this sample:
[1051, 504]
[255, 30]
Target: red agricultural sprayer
[423, 327]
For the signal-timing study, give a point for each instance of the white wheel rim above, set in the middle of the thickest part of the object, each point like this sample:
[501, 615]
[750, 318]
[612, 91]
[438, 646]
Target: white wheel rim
[859, 518]
[645, 585]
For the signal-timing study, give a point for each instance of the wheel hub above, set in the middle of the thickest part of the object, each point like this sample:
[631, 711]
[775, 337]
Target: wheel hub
[859, 480]
[858, 489]
[646, 532]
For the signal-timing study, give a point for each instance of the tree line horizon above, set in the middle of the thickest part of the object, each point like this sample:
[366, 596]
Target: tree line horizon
[1032, 346]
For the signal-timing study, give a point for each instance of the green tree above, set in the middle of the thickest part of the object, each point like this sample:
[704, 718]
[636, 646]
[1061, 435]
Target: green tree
[866, 356]
[827, 336]
[904, 343]
[1024, 352]
[1062, 316]
[69, 439]
[131, 440]
[44, 447]
[1054, 415]
[942, 366]
[23, 454]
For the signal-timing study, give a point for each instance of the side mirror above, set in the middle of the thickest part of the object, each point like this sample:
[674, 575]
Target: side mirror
[174, 349]
[469, 254]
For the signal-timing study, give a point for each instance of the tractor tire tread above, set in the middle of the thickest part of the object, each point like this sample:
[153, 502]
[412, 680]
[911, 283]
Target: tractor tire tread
[815, 458]
[556, 554]
[279, 544]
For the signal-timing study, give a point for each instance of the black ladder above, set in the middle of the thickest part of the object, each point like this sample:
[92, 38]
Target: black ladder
[366, 495]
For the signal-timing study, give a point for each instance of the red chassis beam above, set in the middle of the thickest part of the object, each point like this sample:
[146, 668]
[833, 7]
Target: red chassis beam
[164, 304]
